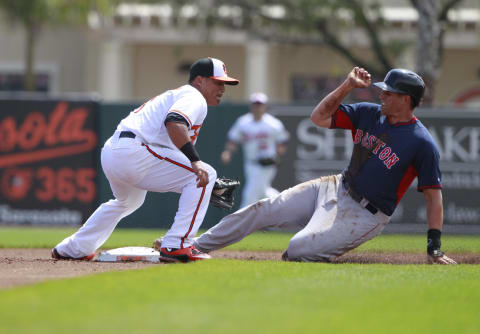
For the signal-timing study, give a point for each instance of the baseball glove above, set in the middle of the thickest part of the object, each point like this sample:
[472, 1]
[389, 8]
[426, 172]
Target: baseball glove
[267, 161]
[222, 193]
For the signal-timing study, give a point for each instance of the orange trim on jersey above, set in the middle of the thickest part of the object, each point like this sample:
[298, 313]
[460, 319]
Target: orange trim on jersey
[193, 218]
[167, 159]
[143, 105]
[189, 169]
[181, 113]
[196, 129]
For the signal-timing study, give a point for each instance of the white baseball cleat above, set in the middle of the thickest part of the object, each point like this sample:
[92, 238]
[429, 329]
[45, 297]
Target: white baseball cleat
[157, 244]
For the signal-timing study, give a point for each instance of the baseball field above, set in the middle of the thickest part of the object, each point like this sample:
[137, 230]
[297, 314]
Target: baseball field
[382, 287]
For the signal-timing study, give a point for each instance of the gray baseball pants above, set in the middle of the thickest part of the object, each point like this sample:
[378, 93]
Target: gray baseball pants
[329, 222]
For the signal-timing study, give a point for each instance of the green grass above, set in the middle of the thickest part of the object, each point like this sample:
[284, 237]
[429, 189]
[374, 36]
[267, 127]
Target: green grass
[232, 296]
[227, 296]
[19, 237]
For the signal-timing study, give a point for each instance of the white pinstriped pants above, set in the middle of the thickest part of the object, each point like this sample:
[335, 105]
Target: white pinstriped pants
[133, 169]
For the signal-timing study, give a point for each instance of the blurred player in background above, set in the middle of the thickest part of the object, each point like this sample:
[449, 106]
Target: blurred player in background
[263, 138]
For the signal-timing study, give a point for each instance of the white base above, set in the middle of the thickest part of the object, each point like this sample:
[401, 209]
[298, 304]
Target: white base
[130, 254]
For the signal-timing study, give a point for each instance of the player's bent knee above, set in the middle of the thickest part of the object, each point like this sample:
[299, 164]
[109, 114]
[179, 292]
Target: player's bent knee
[129, 205]
[135, 204]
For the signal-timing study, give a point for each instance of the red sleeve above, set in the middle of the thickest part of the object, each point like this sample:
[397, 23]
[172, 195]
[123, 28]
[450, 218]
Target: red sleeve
[340, 120]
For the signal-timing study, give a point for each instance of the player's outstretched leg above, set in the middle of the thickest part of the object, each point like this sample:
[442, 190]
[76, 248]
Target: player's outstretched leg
[103, 221]
[291, 209]
[176, 245]
[98, 228]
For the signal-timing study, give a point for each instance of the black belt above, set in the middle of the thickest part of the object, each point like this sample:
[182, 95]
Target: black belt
[127, 134]
[358, 198]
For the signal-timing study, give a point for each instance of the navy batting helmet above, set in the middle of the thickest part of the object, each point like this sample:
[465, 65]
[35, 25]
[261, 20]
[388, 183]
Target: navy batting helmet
[404, 82]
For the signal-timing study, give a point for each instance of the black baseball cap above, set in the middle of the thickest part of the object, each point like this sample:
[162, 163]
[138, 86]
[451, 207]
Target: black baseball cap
[211, 68]
[402, 81]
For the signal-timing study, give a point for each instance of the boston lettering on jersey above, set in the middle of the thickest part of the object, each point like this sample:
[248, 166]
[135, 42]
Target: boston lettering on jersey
[387, 157]
[377, 147]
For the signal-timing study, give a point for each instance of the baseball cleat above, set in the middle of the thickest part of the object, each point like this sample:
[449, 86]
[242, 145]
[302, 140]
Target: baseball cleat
[157, 244]
[57, 256]
[285, 256]
[184, 255]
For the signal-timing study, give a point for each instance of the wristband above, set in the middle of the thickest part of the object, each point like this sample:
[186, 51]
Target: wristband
[433, 241]
[190, 152]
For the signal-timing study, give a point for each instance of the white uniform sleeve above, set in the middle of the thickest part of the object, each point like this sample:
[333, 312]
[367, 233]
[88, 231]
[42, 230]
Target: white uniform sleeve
[281, 134]
[235, 132]
[191, 107]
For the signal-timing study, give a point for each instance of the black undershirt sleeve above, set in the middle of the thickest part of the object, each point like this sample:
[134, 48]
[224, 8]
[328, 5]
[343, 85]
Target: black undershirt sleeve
[176, 118]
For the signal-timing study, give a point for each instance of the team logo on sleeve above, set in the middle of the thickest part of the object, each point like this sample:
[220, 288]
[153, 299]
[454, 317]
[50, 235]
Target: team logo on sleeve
[377, 146]
[196, 130]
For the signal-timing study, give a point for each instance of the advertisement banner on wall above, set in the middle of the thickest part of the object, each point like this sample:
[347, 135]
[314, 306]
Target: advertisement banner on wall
[48, 160]
[313, 152]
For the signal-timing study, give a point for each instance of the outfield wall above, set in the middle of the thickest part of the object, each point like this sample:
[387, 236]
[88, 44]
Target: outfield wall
[311, 152]
[48, 159]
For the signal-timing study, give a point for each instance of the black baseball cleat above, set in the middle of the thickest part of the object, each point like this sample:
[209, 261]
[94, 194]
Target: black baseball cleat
[57, 256]
[285, 256]
[171, 255]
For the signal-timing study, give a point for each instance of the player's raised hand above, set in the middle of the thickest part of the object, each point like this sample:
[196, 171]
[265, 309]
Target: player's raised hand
[359, 78]
[201, 172]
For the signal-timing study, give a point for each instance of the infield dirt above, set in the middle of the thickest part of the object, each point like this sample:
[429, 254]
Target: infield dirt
[27, 266]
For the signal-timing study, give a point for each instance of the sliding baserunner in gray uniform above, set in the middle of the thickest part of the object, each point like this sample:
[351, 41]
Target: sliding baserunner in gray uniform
[335, 214]
[315, 208]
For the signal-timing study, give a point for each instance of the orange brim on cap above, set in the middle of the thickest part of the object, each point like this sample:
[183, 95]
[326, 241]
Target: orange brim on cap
[226, 80]
[220, 72]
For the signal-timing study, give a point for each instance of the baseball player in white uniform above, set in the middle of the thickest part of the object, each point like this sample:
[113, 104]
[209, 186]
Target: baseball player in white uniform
[153, 150]
[263, 139]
